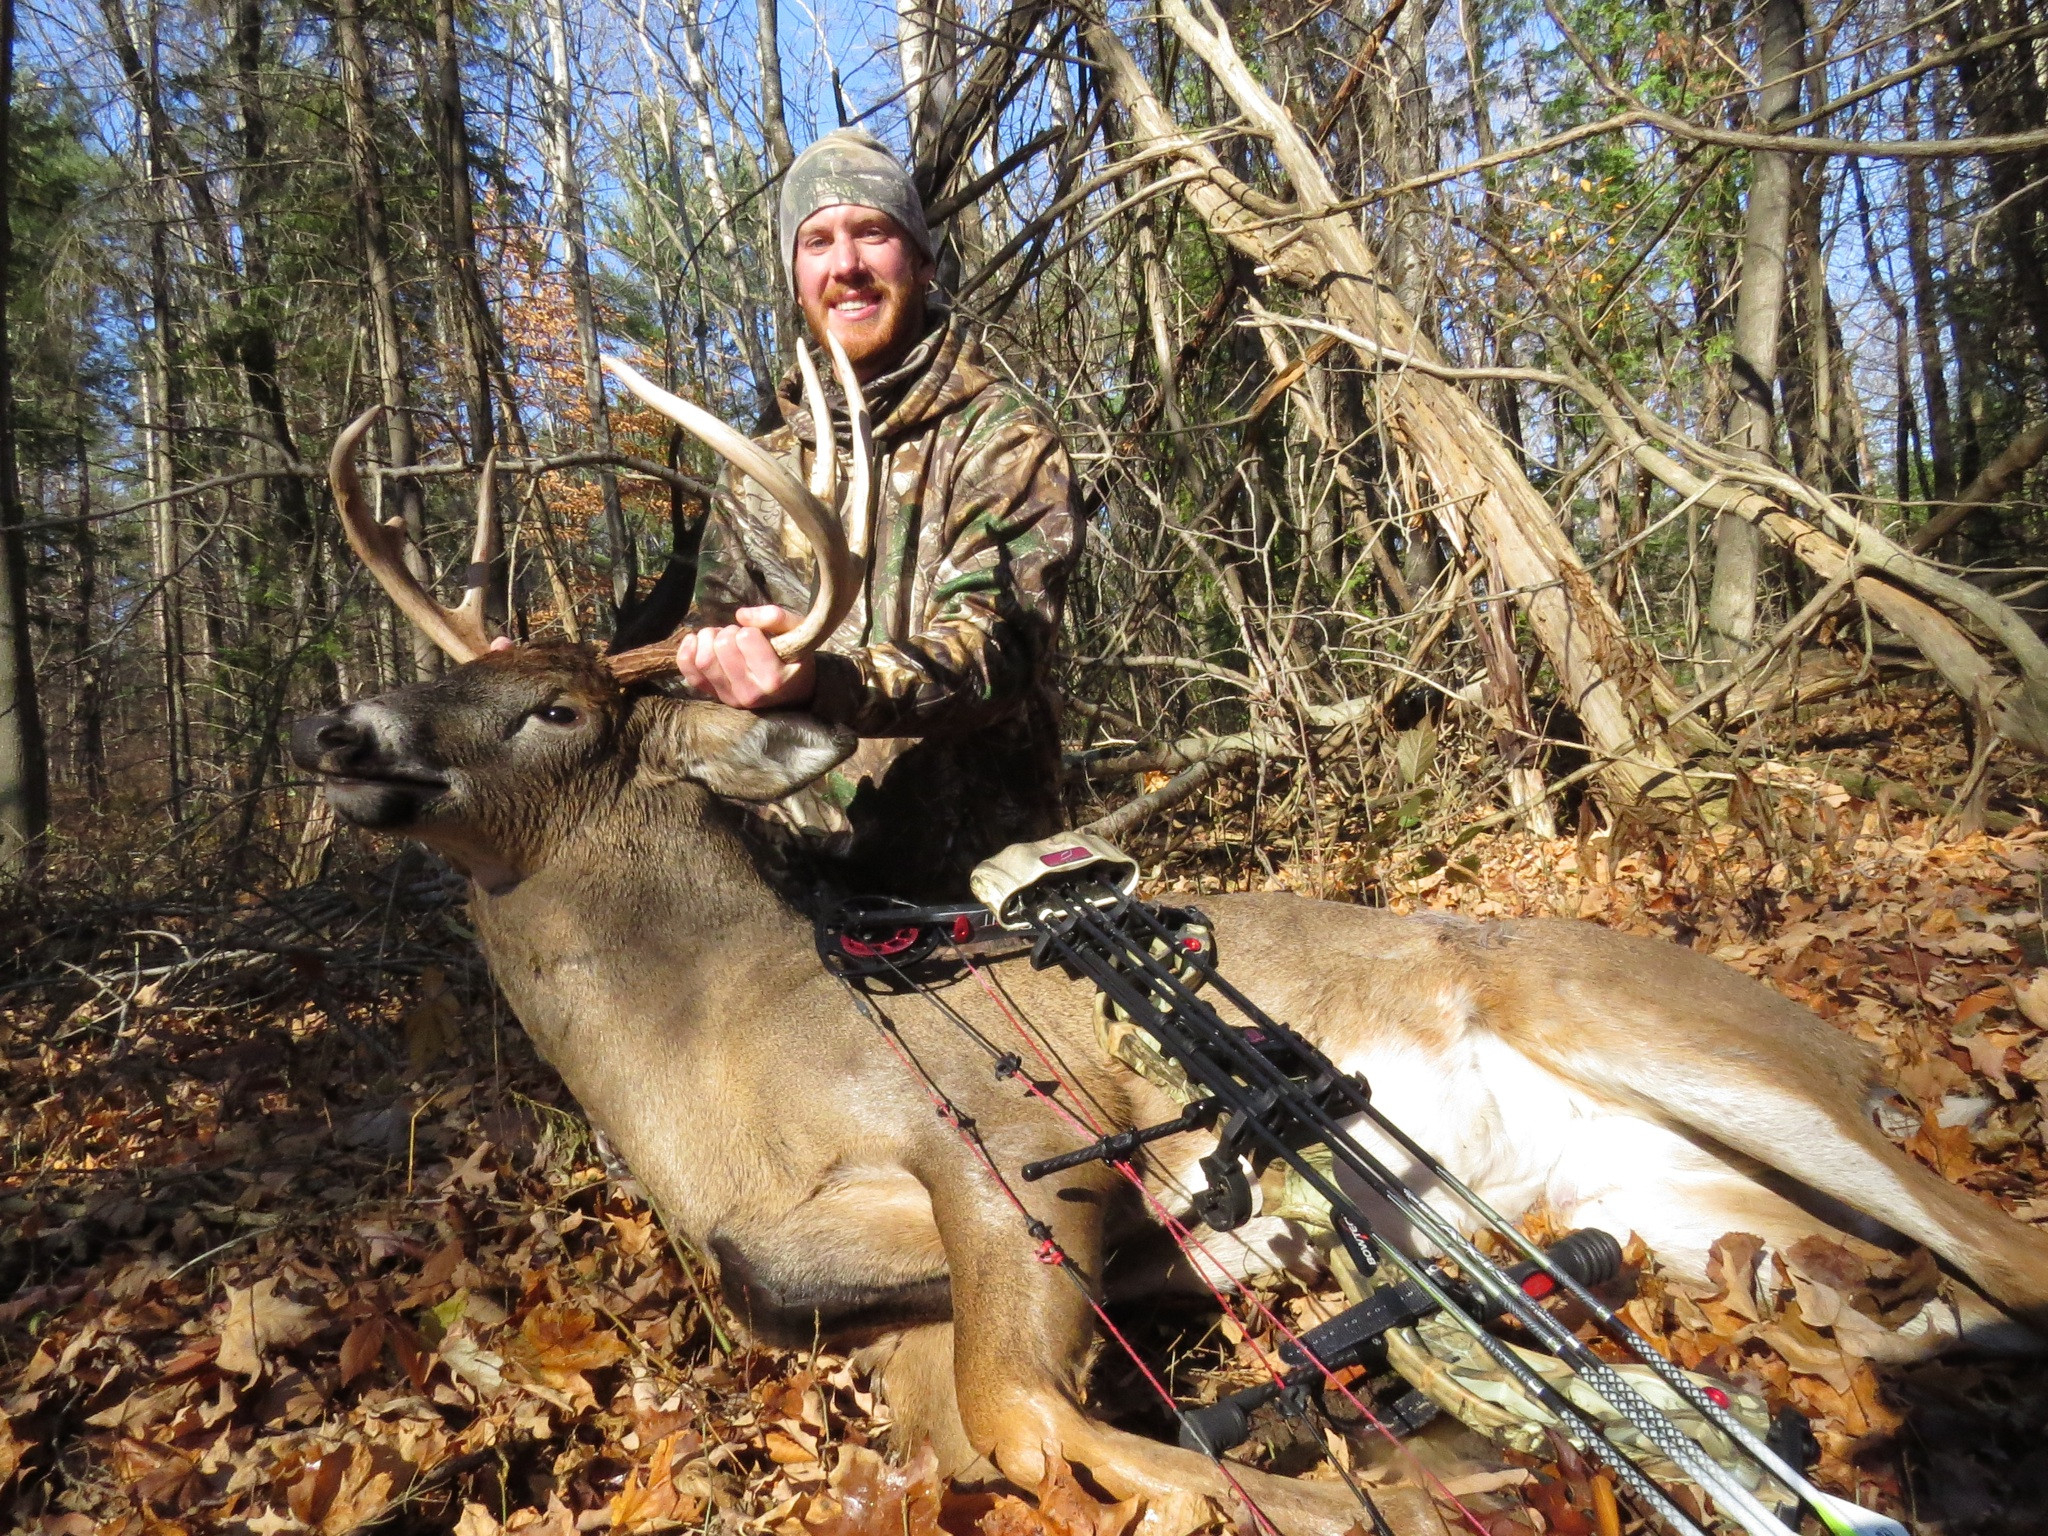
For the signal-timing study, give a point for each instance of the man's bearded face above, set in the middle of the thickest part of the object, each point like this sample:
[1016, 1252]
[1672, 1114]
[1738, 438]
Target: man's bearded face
[859, 276]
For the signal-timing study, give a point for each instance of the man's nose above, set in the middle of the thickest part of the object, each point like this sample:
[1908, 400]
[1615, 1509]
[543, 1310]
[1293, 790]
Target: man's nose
[845, 258]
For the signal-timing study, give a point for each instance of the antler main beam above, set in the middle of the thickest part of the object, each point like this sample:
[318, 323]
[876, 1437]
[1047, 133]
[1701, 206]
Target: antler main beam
[460, 631]
[840, 551]
[838, 565]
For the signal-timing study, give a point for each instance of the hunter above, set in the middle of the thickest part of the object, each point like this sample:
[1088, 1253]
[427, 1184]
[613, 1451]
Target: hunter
[942, 666]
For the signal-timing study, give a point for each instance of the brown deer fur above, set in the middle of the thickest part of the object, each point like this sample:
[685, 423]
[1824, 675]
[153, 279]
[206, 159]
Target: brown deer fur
[1629, 1082]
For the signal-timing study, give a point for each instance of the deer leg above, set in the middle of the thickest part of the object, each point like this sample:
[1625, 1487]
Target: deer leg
[1854, 1162]
[1826, 1142]
[914, 1370]
[1023, 1336]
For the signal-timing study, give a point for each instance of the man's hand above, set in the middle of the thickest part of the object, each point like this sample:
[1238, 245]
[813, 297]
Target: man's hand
[736, 665]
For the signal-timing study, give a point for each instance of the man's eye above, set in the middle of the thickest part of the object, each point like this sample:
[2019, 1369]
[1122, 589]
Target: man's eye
[556, 714]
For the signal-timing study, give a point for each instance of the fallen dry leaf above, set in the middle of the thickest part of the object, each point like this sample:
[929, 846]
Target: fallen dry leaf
[1731, 1264]
[2032, 997]
[656, 1504]
[869, 1497]
[11, 1451]
[359, 1351]
[1070, 1510]
[259, 1320]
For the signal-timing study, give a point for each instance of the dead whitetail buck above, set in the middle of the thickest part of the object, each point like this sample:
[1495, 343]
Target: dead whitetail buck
[1628, 1084]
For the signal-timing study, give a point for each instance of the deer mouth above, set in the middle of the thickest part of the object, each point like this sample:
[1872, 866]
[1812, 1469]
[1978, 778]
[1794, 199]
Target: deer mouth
[382, 801]
[355, 778]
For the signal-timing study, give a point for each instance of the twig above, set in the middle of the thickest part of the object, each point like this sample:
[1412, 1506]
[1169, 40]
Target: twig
[1171, 793]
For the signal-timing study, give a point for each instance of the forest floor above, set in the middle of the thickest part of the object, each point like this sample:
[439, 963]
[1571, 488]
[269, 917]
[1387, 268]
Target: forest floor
[298, 1234]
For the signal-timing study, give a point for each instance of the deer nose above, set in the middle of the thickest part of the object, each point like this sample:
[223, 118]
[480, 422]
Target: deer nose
[324, 736]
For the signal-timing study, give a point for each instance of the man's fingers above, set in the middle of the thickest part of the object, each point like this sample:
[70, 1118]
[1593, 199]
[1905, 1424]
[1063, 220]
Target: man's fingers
[768, 619]
[765, 667]
[750, 665]
[735, 663]
[697, 661]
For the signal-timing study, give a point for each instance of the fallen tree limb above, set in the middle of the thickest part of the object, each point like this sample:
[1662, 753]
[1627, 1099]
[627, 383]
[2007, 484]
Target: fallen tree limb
[2016, 708]
[1182, 786]
[1607, 677]
[1866, 786]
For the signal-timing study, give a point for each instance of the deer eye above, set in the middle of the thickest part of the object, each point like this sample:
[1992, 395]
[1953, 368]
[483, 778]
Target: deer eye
[556, 714]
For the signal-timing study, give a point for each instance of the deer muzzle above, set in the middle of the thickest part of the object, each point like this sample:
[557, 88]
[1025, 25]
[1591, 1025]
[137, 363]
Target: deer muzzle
[370, 776]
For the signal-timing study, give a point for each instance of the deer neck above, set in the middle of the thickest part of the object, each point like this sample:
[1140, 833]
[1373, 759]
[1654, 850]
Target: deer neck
[645, 916]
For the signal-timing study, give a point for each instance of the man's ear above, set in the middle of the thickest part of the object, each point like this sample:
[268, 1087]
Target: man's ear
[735, 752]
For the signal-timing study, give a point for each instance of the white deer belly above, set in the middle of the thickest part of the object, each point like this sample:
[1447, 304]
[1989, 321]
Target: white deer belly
[1520, 1137]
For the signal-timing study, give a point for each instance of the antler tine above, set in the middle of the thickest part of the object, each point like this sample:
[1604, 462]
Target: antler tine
[856, 510]
[837, 576]
[381, 548]
[483, 551]
[825, 457]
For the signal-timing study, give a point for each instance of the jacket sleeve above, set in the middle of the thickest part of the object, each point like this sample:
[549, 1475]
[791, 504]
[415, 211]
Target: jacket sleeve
[994, 580]
[730, 572]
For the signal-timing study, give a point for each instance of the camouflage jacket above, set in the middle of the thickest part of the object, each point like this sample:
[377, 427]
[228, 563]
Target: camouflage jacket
[941, 666]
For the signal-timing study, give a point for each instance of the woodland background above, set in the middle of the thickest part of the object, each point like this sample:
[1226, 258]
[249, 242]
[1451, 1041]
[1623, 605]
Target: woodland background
[1559, 457]
[1611, 376]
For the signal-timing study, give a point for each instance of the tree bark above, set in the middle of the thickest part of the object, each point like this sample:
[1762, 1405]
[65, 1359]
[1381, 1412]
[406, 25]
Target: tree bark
[1927, 318]
[359, 103]
[768, 55]
[2005, 91]
[89, 712]
[722, 215]
[1731, 615]
[458, 223]
[575, 236]
[1507, 394]
[24, 761]
[927, 45]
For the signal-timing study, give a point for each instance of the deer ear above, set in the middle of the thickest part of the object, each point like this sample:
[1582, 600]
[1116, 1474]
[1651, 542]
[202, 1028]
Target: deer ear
[735, 752]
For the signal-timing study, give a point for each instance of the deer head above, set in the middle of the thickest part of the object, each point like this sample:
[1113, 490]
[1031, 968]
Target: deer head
[495, 761]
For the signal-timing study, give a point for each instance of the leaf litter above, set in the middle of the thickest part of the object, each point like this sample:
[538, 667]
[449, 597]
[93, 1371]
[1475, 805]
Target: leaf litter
[311, 1241]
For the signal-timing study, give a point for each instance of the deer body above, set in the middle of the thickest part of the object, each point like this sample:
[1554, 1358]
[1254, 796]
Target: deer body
[1629, 1083]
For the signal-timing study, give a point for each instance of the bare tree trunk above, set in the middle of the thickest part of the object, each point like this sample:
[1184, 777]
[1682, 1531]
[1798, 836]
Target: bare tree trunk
[927, 44]
[722, 215]
[165, 557]
[569, 209]
[1927, 315]
[89, 715]
[458, 222]
[1405, 129]
[1507, 394]
[768, 54]
[1731, 615]
[24, 761]
[359, 103]
[2005, 92]
[1506, 697]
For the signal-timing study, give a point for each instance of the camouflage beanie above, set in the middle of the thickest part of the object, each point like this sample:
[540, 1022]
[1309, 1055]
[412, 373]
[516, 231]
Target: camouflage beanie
[847, 166]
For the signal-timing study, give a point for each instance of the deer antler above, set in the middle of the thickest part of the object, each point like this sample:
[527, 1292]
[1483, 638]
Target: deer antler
[824, 465]
[838, 567]
[461, 630]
